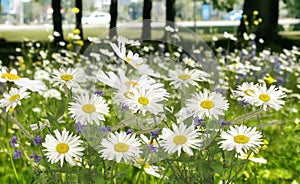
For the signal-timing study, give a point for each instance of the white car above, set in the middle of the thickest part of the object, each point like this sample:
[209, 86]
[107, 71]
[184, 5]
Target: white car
[96, 18]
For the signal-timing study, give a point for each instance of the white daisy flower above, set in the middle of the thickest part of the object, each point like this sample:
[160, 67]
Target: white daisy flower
[252, 158]
[63, 147]
[124, 85]
[245, 89]
[146, 100]
[241, 139]
[52, 93]
[12, 76]
[68, 77]
[264, 97]
[13, 98]
[132, 58]
[120, 50]
[189, 61]
[149, 169]
[180, 77]
[120, 146]
[88, 109]
[207, 104]
[119, 82]
[180, 138]
[41, 75]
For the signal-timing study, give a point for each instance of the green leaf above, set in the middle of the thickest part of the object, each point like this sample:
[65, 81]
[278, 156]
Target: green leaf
[61, 110]
[170, 116]
[217, 166]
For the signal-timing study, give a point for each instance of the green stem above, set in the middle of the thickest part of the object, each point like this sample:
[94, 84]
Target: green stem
[23, 129]
[14, 168]
[6, 124]
[139, 174]
[231, 166]
[48, 167]
[173, 170]
[238, 171]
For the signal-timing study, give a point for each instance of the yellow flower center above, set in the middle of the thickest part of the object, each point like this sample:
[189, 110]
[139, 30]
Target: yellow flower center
[154, 143]
[10, 76]
[140, 160]
[207, 104]
[126, 94]
[127, 59]
[14, 97]
[188, 62]
[66, 77]
[121, 147]
[184, 76]
[241, 139]
[248, 91]
[62, 148]
[143, 100]
[88, 108]
[132, 83]
[264, 97]
[147, 166]
[179, 139]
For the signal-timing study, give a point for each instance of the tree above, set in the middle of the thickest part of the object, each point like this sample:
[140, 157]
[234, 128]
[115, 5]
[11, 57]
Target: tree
[146, 34]
[261, 18]
[78, 5]
[170, 13]
[57, 20]
[114, 15]
[170, 16]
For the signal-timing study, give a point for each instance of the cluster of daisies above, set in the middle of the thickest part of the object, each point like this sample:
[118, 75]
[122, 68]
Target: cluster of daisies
[142, 94]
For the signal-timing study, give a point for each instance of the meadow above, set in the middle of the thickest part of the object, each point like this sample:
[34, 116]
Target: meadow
[134, 111]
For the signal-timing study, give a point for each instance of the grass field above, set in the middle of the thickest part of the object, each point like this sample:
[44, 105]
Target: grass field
[280, 128]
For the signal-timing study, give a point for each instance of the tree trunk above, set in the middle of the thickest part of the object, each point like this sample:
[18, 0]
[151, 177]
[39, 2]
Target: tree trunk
[268, 28]
[57, 20]
[114, 15]
[170, 17]
[171, 12]
[78, 4]
[146, 34]
[268, 12]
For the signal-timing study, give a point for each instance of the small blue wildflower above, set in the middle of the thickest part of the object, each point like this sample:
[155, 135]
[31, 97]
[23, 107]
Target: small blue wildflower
[79, 127]
[38, 140]
[99, 93]
[225, 123]
[124, 106]
[154, 134]
[105, 129]
[244, 103]
[218, 90]
[129, 131]
[17, 153]
[35, 157]
[13, 141]
[199, 122]
[152, 148]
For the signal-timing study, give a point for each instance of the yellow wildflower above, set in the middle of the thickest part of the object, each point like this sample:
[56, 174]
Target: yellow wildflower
[75, 10]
